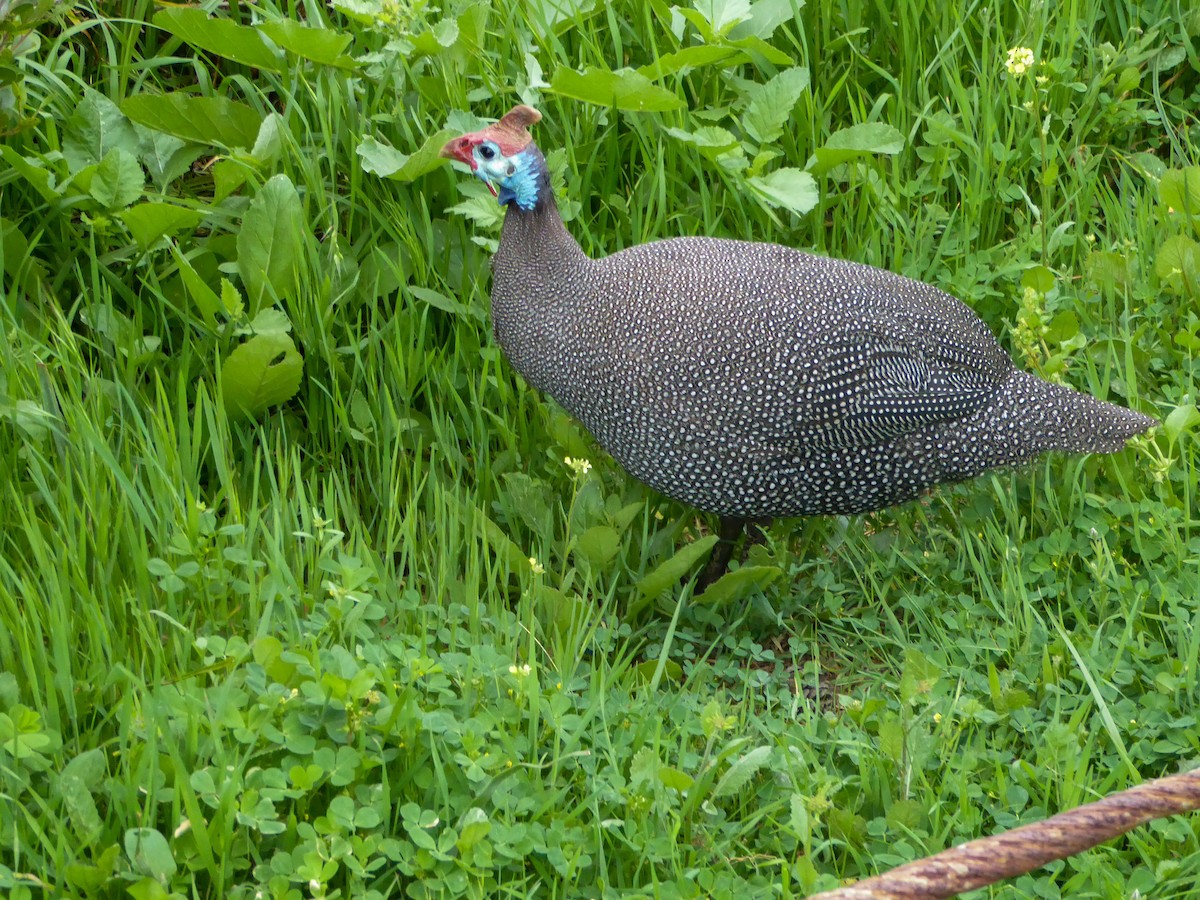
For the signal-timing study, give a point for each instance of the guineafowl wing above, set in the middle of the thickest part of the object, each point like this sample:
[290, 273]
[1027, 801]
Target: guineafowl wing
[872, 385]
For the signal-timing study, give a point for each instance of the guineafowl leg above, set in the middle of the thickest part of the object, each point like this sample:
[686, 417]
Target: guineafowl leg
[728, 529]
[756, 533]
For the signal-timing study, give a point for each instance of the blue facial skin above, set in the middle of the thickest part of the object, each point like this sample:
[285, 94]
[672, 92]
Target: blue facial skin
[513, 178]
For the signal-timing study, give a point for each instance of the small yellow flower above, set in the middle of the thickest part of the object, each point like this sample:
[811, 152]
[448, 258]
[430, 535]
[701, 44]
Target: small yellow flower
[580, 466]
[522, 670]
[538, 568]
[1020, 61]
[937, 717]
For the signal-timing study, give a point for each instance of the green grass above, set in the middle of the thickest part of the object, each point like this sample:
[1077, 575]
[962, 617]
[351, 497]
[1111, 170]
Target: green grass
[282, 653]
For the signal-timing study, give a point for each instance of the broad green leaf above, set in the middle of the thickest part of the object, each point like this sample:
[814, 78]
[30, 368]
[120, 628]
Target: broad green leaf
[504, 546]
[197, 288]
[1064, 329]
[854, 143]
[93, 877]
[563, 612]
[89, 767]
[268, 144]
[149, 853]
[869, 137]
[96, 127]
[379, 158]
[709, 139]
[557, 16]
[675, 779]
[738, 774]
[446, 304]
[270, 243]
[623, 517]
[770, 105]
[20, 264]
[231, 299]
[203, 120]
[473, 828]
[668, 573]
[1182, 418]
[267, 650]
[1038, 279]
[32, 170]
[229, 175]
[766, 16]
[261, 373]
[118, 328]
[148, 222]
[386, 161]
[81, 808]
[1108, 270]
[479, 205]
[643, 768]
[645, 671]
[1129, 79]
[367, 817]
[891, 738]
[118, 180]
[1179, 190]
[599, 544]
[907, 814]
[625, 89]
[737, 585]
[1149, 165]
[787, 188]
[919, 676]
[761, 159]
[757, 47]
[1178, 264]
[530, 501]
[320, 45]
[692, 58]
[365, 12]
[441, 36]
[240, 43]
[270, 320]
[723, 15]
[165, 156]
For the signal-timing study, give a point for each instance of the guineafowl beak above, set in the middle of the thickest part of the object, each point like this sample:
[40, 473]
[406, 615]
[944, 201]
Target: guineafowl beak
[461, 149]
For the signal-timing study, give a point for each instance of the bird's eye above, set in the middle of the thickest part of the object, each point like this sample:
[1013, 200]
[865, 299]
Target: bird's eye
[486, 152]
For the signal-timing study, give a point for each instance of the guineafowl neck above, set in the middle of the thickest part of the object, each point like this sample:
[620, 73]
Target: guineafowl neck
[537, 275]
[538, 237]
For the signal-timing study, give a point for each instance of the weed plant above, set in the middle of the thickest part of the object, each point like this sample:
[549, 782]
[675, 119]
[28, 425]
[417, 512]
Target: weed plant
[303, 593]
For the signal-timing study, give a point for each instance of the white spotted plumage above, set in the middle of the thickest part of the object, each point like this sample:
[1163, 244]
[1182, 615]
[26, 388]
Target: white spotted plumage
[753, 380]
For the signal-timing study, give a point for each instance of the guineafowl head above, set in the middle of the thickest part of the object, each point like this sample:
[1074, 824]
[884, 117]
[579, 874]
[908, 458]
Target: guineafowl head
[504, 157]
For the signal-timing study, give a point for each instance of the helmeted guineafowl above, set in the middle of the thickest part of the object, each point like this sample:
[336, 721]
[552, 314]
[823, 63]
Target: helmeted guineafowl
[752, 380]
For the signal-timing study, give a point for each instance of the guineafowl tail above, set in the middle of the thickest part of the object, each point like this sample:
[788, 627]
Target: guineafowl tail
[1032, 416]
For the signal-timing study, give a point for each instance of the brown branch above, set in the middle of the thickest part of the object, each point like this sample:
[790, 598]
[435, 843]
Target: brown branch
[988, 860]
